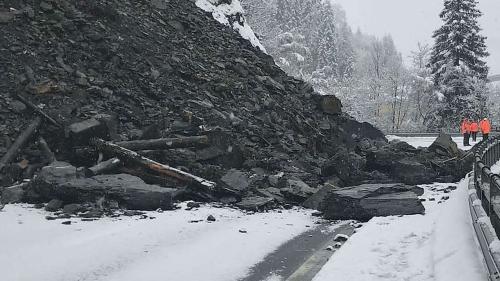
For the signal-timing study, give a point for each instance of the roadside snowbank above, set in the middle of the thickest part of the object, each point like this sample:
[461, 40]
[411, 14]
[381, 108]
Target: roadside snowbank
[437, 246]
[222, 13]
[165, 248]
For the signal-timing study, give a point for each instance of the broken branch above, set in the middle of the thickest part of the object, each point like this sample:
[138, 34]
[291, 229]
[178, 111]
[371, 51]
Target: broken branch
[129, 156]
[20, 142]
[37, 110]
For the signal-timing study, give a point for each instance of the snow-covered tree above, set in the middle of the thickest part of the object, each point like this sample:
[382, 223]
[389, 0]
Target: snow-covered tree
[457, 61]
[309, 39]
[458, 41]
[424, 98]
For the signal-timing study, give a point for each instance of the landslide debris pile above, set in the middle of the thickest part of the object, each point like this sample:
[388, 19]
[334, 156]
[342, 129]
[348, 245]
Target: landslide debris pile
[86, 75]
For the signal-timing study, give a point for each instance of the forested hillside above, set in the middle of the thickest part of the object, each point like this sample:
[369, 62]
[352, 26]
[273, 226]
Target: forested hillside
[311, 39]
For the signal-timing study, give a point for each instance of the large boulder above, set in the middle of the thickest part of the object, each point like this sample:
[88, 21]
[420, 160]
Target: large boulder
[295, 190]
[61, 181]
[444, 145]
[13, 194]
[236, 181]
[348, 166]
[318, 201]
[410, 171]
[329, 104]
[364, 202]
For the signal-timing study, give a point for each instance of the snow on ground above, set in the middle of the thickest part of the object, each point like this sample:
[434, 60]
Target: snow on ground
[122, 249]
[427, 141]
[437, 246]
[221, 12]
[495, 168]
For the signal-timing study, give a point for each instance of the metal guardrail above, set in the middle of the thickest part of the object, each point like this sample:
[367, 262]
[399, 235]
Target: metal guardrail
[487, 190]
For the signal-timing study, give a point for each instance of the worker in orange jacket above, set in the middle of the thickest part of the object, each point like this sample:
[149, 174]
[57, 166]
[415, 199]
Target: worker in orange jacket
[474, 128]
[485, 127]
[465, 130]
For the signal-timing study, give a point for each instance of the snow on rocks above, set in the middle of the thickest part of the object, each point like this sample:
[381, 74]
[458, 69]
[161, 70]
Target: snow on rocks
[231, 13]
[416, 247]
[340, 238]
[132, 249]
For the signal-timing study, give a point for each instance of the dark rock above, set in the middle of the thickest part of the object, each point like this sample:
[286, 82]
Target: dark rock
[6, 17]
[53, 205]
[340, 238]
[274, 179]
[82, 132]
[13, 194]
[410, 171]
[211, 218]
[444, 145]
[366, 201]
[38, 205]
[193, 205]
[72, 209]
[297, 191]
[255, 203]
[348, 166]
[66, 222]
[17, 106]
[60, 181]
[236, 180]
[92, 213]
[318, 200]
[329, 104]
[46, 6]
[317, 214]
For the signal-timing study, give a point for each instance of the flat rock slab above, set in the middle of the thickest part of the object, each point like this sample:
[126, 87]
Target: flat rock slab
[60, 181]
[366, 201]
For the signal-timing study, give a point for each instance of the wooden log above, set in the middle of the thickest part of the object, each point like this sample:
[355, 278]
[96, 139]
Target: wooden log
[20, 142]
[150, 178]
[44, 147]
[170, 143]
[131, 157]
[37, 110]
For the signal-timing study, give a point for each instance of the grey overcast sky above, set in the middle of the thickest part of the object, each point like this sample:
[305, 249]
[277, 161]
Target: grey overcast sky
[413, 21]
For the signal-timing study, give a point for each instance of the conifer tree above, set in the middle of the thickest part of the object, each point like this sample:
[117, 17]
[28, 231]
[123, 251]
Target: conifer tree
[458, 41]
[457, 60]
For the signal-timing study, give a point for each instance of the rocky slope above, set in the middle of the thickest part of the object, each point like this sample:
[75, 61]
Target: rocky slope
[169, 69]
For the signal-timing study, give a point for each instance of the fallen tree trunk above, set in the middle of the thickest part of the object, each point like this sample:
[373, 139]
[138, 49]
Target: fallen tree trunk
[170, 143]
[136, 159]
[20, 142]
[37, 110]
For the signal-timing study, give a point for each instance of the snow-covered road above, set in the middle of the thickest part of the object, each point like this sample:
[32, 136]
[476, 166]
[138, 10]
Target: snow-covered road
[165, 248]
[438, 246]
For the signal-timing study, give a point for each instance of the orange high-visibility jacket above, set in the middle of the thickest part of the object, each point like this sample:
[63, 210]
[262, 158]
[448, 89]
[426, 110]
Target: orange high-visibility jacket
[465, 127]
[474, 127]
[485, 126]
